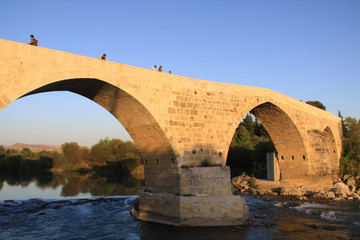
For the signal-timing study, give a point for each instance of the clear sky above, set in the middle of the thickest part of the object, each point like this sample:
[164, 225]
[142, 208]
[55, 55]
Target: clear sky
[308, 50]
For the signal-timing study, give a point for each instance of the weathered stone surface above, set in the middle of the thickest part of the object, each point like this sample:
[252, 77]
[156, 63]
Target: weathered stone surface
[341, 189]
[205, 180]
[205, 210]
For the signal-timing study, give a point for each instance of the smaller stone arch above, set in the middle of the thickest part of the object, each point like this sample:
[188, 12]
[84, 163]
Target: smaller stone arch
[332, 151]
[324, 151]
[290, 153]
[290, 149]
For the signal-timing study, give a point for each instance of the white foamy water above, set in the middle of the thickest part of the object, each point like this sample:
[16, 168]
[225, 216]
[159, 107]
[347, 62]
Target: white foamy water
[329, 215]
[313, 205]
[280, 204]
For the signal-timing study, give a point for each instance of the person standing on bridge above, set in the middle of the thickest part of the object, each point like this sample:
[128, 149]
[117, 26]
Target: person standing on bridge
[33, 41]
[103, 57]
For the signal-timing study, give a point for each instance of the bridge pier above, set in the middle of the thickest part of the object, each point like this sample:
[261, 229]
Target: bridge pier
[204, 199]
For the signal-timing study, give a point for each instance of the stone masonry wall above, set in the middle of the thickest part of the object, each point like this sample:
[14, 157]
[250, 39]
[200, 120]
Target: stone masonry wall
[205, 181]
[205, 199]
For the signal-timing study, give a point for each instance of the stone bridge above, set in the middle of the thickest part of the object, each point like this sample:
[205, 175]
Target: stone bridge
[179, 122]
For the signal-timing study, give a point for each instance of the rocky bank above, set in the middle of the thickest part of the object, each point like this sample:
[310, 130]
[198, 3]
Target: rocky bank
[342, 189]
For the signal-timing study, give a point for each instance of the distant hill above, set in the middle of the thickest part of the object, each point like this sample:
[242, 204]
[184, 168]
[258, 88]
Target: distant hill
[35, 148]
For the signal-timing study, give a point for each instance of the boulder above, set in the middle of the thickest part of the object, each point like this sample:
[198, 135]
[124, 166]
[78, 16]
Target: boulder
[292, 191]
[350, 182]
[341, 189]
[241, 182]
[301, 198]
[267, 192]
[325, 195]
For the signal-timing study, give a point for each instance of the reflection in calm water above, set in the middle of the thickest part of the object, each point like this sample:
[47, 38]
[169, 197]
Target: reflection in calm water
[72, 184]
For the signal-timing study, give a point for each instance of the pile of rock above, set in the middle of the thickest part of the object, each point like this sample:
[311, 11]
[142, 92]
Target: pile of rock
[242, 183]
[341, 190]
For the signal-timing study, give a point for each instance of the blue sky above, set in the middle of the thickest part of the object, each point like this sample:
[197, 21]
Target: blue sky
[308, 50]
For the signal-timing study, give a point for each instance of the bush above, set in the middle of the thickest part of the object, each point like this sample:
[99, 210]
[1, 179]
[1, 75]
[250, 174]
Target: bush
[350, 160]
[113, 150]
[27, 165]
[26, 153]
[349, 167]
[2, 150]
[13, 162]
[252, 183]
[45, 163]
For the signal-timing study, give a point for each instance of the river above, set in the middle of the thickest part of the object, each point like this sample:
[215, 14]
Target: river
[98, 209]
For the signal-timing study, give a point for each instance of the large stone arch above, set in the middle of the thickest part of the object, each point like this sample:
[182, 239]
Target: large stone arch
[290, 152]
[136, 119]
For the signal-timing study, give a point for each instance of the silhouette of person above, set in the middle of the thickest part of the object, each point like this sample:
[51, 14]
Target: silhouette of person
[33, 41]
[170, 72]
[160, 68]
[103, 57]
[154, 67]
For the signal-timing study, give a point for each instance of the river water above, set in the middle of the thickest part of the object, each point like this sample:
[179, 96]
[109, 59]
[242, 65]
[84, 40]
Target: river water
[35, 211]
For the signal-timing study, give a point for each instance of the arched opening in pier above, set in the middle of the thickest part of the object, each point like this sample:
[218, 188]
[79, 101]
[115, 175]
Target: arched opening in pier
[282, 139]
[332, 150]
[249, 147]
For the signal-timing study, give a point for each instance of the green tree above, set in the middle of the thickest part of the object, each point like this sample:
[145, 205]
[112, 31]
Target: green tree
[249, 123]
[71, 153]
[125, 150]
[343, 125]
[26, 153]
[45, 163]
[84, 154]
[242, 138]
[248, 148]
[113, 150]
[102, 152]
[58, 159]
[2, 150]
[317, 104]
[350, 161]
[259, 130]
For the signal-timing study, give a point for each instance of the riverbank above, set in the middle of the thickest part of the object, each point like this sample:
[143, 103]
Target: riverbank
[342, 189]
